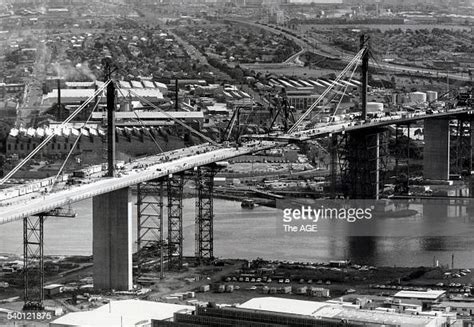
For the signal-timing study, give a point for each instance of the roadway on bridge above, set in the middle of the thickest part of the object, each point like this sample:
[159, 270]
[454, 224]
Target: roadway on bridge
[325, 129]
[188, 158]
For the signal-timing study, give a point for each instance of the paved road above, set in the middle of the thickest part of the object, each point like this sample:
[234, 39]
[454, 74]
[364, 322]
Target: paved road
[336, 54]
[190, 49]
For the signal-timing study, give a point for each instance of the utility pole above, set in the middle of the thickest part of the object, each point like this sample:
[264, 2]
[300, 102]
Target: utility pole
[364, 74]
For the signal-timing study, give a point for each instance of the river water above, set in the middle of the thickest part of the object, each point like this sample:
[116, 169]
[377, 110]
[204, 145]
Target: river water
[252, 233]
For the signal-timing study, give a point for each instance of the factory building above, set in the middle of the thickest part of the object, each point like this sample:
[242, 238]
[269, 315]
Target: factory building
[130, 142]
[464, 309]
[122, 313]
[272, 311]
[425, 298]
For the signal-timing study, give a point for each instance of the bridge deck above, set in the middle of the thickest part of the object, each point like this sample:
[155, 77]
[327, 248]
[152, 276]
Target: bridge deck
[129, 177]
[343, 127]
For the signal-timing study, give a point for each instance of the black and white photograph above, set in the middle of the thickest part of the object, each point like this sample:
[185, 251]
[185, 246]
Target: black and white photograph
[247, 163]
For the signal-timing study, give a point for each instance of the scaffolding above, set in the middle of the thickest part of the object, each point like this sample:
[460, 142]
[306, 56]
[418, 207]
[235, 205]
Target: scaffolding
[175, 185]
[150, 243]
[204, 223]
[333, 164]
[460, 146]
[33, 264]
[402, 159]
[364, 164]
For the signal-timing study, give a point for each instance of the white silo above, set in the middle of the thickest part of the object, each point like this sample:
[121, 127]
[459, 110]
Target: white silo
[417, 97]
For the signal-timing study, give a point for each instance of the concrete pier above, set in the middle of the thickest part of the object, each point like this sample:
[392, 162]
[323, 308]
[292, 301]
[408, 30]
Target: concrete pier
[436, 150]
[112, 240]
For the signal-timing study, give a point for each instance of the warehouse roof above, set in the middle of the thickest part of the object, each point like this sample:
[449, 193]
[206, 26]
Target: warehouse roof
[151, 115]
[324, 310]
[122, 313]
[427, 295]
[373, 316]
[276, 304]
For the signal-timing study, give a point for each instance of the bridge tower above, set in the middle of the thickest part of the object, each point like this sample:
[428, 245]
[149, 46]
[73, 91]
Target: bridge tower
[110, 118]
[364, 44]
[204, 223]
[175, 185]
[112, 215]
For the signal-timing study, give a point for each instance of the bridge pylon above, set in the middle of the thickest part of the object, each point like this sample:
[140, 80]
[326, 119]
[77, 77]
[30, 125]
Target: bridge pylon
[112, 240]
[436, 151]
[150, 243]
[204, 223]
[175, 185]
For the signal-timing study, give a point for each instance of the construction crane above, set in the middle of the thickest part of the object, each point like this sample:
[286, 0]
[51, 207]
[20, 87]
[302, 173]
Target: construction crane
[283, 111]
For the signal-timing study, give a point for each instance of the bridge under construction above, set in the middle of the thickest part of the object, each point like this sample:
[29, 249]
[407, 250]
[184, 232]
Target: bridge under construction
[358, 151]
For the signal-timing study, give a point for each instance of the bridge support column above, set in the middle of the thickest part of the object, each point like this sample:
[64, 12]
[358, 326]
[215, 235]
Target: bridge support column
[149, 223]
[33, 267]
[204, 223]
[175, 221]
[366, 160]
[112, 240]
[436, 150]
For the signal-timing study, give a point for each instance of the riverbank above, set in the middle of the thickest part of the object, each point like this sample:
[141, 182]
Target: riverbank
[249, 279]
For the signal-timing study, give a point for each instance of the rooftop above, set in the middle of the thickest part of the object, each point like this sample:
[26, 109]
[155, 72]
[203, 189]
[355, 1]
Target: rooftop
[276, 304]
[122, 313]
[77, 95]
[339, 312]
[367, 316]
[428, 295]
[456, 304]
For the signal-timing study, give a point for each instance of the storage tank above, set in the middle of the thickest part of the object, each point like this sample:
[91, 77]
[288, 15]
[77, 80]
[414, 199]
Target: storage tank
[125, 106]
[374, 106]
[403, 99]
[394, 98]
[417, 97]
[431, 96]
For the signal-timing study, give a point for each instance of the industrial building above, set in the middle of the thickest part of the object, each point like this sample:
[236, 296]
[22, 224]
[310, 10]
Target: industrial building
[122, 313]
[425, 298]
[273, 311]
[465, 309]
[301, 93]
[131, 142]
